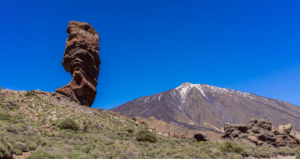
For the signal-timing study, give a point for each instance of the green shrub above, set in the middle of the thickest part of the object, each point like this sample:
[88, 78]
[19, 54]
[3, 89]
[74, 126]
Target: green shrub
[130, 130]
[68, 124]
[55, 122]
[43, 143]
[88, 148]
[30, 93]
[31, 145]
[4, 151]
[16, 118]
[41, 154]
[13, 118]
[17, 152]
[230, 146]
[11, 129]
[285, 151]
[298, 152]
[145, 135]
[146, 125]
[133, 118]
[5, 116]
[65, 134]
[11, 106]
[0, 88]
[116, 153]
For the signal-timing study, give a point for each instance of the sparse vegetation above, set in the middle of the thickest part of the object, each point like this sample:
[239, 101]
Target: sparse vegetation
[133, 118]
[40, 153]
[68, 124]
[145, 135]
[230, 146]
[298, 152]
[130, 130]
[146, 126]
[30, 93]
[11, 106]
[49, 131]
[5, 116]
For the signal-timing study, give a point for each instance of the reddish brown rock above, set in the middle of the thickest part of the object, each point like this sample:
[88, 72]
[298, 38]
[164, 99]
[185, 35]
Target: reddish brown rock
[126, 117]
[182, 136]
[113, 113]
[261, 132]
[175, 135]
[81, 59]
[168, 133]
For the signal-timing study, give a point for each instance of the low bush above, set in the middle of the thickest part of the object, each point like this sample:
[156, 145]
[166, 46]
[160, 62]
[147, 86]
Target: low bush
[11, 106]
[88, 148]
[31, 145]
[230, 146]
[298, 152]
[133, 118]
[68, 124]
[130, 130]
[17, 152]
[6, 147]
[41, 154]
[146, 126]
[285, 151]
[4, 153]
[4, 116]
[30, 93]
[145, 135]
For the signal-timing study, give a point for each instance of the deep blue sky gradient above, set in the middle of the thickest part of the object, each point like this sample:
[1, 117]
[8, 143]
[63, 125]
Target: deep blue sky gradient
[151, 46]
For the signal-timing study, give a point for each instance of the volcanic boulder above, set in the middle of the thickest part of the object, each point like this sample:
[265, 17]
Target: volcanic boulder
[81, 59]
[200, 136]
[261, 132]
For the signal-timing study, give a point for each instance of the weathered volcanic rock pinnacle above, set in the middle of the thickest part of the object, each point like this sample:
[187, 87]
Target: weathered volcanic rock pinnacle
[81, 59]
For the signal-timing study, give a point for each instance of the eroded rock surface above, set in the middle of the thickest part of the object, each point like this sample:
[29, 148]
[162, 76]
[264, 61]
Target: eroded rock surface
[81, 59]
[262, 133]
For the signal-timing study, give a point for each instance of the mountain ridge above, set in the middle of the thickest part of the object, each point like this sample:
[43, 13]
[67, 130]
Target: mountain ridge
[191, 105]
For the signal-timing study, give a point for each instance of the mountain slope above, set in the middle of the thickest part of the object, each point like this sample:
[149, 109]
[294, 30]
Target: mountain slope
[199, 106]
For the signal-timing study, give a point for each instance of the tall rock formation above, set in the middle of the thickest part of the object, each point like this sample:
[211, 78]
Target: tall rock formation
[81, 59]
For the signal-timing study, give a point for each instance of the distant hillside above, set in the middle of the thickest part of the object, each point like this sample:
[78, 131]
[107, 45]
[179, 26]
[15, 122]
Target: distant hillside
[204, 107]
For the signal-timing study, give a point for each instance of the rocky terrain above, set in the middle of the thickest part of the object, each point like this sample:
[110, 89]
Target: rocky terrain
[81, 59]
[260, 132]
[33, 126]
[204, 107]
[30, 127]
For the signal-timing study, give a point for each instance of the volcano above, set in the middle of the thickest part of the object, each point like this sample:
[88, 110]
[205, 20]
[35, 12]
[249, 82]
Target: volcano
[205, 107]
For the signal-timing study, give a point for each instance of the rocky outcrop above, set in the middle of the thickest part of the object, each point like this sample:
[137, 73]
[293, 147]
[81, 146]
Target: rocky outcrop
[81, 59]
[261, 132]
[200, 136]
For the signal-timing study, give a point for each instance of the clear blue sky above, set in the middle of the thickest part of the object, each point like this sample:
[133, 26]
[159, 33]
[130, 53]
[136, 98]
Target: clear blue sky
[151, 46]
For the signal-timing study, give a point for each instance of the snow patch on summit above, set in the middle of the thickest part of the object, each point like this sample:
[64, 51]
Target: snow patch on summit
[186, 87]
[229, 91]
